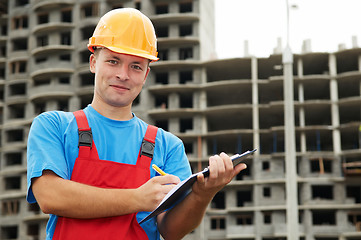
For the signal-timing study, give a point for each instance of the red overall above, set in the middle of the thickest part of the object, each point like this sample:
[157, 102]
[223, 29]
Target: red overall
[89, 169]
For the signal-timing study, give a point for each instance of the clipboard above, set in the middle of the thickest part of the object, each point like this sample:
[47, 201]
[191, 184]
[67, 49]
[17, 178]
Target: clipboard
[182, 189]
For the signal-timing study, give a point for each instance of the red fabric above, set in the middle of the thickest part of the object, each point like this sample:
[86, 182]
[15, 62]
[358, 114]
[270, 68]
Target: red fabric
[89, 169]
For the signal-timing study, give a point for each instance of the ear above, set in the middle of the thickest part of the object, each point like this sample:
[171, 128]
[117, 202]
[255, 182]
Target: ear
[146, 75]
[92, 61]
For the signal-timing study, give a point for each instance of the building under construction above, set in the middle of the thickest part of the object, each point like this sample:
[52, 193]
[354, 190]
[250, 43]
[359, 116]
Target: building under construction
[213, 105]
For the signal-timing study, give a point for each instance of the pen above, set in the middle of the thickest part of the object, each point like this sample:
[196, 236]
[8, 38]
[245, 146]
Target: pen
[158, 170]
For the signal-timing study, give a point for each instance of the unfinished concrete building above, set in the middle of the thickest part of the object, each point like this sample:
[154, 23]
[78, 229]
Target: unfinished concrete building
[229, 105]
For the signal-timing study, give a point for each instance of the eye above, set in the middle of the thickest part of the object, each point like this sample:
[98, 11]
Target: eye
[112, 62]
[137, 67]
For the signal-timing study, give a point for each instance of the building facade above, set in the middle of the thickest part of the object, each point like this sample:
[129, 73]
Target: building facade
[213, 105]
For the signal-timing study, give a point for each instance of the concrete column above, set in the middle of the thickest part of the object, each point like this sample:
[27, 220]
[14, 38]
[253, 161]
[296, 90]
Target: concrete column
[255, 109]
[334, 106]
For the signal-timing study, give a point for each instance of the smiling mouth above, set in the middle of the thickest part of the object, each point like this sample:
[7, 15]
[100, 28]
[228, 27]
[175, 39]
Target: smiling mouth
[119, 87]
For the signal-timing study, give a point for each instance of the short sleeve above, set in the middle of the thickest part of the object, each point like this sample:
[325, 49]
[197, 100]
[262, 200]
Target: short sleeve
[45, 149]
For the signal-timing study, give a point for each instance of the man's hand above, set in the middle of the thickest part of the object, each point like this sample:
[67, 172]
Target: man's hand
[221, 172]
[154, 190]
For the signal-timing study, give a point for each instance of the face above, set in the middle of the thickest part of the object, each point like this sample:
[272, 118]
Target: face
[119, 78]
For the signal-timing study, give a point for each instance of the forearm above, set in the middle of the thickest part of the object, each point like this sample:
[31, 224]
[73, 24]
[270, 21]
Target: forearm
[184, 217]
[71, 199]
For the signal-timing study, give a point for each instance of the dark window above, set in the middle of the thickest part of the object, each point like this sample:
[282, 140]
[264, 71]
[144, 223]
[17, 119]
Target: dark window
[162, 78]
[218, 202]
[218, 223]
[43, 18]
[66, 38]
[267, 192]
[161, 9]
[163, 55]
[12, 159]
[186, 124]
[9, 232]
[20, 44]
[185, 7]
[322, 192]
[185, 30]
[42, 41]
[162, 124]
[162, 31]
[185, 76]
[185, 53]
[323, 218]
[66, 16]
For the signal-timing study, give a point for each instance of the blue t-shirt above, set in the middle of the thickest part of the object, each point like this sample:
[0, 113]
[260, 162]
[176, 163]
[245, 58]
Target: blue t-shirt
[53, 145]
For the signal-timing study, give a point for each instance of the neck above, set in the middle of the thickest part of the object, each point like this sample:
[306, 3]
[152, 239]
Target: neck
[115, 113]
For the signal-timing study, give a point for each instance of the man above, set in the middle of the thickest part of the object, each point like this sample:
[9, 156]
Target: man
[89, 170]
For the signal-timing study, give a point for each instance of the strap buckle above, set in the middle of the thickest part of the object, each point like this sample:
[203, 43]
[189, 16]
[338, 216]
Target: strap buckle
[147, 148]
[85, 138]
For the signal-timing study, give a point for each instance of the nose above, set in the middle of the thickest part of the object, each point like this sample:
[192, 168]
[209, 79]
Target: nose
[123, 73]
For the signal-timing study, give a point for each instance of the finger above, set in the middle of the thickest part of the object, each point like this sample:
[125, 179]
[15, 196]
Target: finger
[213, 171]
[228, 165]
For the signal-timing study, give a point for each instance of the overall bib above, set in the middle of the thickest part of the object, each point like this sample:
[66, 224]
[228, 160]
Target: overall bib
[90, 170]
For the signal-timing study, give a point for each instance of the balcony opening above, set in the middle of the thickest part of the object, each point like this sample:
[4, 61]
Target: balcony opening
[162, 31]
[33, 231]
[34, 208]
[161, 9]
[266, 166]
[162, 78]
[9, 232]
[20, 22]
[354, 192]
[84, 56]
[138, 5]
[185, 30]
[267, 217]
[219, 201]
[39, 108]
[321, 165]
[18, 67]
[185, 6]
[162, 124]
[12, 183]
[41, 82]
[63, 105]
[161, 101]
[10, 207]
[322, 192]
[185, 53]
[64, 80]
[185, 76]
[218, 223]
[17, 89]
[12, 159]
[65, 38]
[20, 44]
[66, 16]
[267, 192]
[186, 100]
[186, 124]
[42, 41]
[19, 3]
[85, 100]
[14, 135]
[89, 10]
[65, 57]
[16, 111]
[243, 197]
[326, 217]
[244, 219]
[87, 79]
[86, 33]
[43, 18]
[355, 219]
[39, 60]
[163, 54]
[188, 148]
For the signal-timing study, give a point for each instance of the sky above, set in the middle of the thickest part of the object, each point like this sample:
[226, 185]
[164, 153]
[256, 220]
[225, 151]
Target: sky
[327, 23]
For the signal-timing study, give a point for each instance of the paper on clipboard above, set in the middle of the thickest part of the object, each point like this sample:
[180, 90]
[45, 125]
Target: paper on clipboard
[182, 189]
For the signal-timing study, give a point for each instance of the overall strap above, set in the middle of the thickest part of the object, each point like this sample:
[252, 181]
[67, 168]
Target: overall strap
[86, 144]
[147, 149]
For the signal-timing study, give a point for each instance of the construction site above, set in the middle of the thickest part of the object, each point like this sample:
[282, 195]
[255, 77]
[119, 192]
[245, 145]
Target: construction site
[213, 105]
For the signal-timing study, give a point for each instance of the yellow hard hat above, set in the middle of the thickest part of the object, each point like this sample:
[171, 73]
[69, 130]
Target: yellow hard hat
[128, 31]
